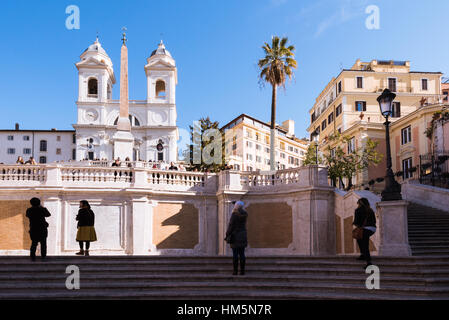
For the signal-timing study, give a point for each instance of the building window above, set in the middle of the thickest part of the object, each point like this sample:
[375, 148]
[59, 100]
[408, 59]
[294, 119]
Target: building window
[333, 153]
[249, 157]
[249, 134]
[92, 87]
[160, 156]
[323, 125]
[43, 159]
[58, 151]
[267, 140]
[43, 146]
[283, 155]
[424, 84]
[406, 165]
[330, 118]
[10, 138]
[296, 150]
[74, 138]
[392, 84]
[445, 93]
[249, 144]
[73, 154]
[297, 162]
[339, 86]
[360, 106]
[258, 159]
[351, 145]
[290, 148]
[267, 150]
[313, 117]
[338, 110]
[26, 151]
[237, 167]
[396, 110]
[26, 138]
[58, 138]
[282, 146]
[11, 151]
[160, 89]
[257, 136]
[258, 147]
[359, 82]
[249, 168]
[406, 135]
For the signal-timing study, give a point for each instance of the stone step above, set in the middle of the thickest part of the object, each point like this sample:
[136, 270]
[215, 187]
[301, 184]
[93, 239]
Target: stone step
[187, 287]
[99, 282]
[218, 295]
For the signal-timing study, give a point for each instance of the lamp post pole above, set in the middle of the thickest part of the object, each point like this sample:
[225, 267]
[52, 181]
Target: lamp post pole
[392, 191]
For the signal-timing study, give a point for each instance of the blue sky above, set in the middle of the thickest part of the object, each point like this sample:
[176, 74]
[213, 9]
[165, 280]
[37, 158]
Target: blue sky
[216, 45]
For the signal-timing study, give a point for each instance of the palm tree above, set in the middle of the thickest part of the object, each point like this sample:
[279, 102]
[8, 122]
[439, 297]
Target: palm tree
[275, 68]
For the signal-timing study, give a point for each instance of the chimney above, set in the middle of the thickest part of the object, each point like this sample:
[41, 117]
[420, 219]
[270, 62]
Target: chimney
[17, 127]
[289, 125]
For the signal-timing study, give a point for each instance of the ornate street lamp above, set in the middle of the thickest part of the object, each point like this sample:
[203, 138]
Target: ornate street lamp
[392, 191]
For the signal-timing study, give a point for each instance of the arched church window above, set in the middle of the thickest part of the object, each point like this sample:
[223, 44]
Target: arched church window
[109, 91]
[133, 120]
[160, 89]
[92, 87]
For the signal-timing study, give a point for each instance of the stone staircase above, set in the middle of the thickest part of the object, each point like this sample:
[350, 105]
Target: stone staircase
[428, 230]
[133, 277]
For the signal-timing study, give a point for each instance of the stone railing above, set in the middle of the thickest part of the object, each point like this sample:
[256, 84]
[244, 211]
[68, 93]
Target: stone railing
[56, 176]
[66, 175]
[96, 175]
[22, 173]
[295, 177]
[187, 179]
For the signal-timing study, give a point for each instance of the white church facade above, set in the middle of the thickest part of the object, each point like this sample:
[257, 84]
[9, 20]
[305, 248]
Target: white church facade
[153, 121]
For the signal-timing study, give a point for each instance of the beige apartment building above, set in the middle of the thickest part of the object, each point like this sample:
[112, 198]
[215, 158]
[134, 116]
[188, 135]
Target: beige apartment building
[248, 145]
[349, 104]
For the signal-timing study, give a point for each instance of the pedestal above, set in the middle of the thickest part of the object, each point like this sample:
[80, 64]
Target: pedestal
[123, 145]
[393, 227]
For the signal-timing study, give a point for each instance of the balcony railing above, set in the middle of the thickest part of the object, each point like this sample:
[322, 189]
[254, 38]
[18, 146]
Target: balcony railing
[122, 178]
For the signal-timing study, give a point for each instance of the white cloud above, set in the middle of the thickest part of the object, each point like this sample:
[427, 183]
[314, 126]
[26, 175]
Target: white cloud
[348, 10]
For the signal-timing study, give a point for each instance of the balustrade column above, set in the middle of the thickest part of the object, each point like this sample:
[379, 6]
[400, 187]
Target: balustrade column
[54, 178]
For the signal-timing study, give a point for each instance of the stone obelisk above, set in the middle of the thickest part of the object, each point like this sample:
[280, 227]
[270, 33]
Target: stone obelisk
[123, 139]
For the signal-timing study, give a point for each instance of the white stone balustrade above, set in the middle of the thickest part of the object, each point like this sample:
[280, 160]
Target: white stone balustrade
[16, 174]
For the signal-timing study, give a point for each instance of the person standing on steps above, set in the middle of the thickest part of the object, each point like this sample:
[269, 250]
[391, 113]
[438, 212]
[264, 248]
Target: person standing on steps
[38, 227]
[365, 218]
[86, 230]
[236, 236]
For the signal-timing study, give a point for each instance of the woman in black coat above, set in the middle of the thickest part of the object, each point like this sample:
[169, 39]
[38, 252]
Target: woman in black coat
[86, 231]
[365, 218]
[236, 236]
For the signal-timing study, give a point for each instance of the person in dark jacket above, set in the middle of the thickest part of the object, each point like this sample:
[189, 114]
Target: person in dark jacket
[86, 230]
[38, 227]
[365, 218]
[236, 236]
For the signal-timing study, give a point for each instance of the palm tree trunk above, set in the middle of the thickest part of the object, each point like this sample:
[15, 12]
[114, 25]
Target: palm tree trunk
[273, 130]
